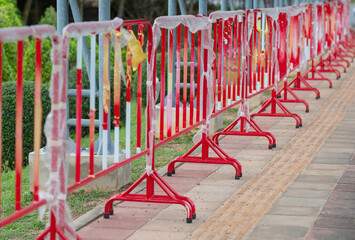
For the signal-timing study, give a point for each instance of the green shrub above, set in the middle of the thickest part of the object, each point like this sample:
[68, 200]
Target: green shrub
[9, 120]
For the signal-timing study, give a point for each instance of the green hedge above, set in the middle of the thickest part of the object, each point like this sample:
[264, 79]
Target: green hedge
[9, 120]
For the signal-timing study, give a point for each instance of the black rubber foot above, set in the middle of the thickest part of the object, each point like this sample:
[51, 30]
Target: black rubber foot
[106, 215]
[278, 96]
[194, 216]
[317, 97]
[330, 86]
[241, 175]
[189, 220]
[345, 71]
[270, 146]
[274, 145]
[307, 110]
[300, 125]
[168, 174]
[237, 177]
[173, 171]
[297, 126]
[110, 212]
[217, 143]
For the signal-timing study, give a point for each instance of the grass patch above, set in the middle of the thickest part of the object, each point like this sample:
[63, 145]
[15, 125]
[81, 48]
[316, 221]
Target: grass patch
[28, 227]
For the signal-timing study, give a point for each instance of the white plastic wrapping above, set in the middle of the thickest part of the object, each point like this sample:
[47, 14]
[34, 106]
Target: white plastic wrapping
[56, 149]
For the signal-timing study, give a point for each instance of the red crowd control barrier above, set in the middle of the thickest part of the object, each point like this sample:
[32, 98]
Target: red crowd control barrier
[252, 52]
[258, 70]
[200, 29]
[55, 124]
[162, 26]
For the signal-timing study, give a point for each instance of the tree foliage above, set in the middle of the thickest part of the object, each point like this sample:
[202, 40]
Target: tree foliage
[9, 17]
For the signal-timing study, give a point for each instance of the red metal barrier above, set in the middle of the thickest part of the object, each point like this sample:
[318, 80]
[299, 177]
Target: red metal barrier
[258, 82]
[55, 137]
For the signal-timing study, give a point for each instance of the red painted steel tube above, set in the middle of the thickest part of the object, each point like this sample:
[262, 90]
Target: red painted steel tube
[254, 53]
[199, 55]
[225, 59]
[230, 46]
[214, 65]
[139, 90]
[192, 79]
[19, 122]
[79, 88]
[239, 57]
[170, 84]
[0, 125]
[177, 86]
[162, 83]
[219, 73]
[184, 112]
[235, 43]
[37, 118]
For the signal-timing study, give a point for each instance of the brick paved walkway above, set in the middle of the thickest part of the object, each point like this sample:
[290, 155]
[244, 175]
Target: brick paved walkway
[282, 190]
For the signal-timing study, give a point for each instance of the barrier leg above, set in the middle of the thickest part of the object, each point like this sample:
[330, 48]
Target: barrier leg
[206, 143]
[273, 103]
[171, 196]
[334, 62]
[297, 85]
[285, 90]
[323, 66]
[313, 71]
[243, 121]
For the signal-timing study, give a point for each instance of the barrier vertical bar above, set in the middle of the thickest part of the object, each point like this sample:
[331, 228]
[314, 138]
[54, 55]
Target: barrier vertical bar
[184, 113]
[18, 130]
[92, 102]
[215, 34]
[117, 95]
[79, 88]
[198, 91]
[106, 101]
[139, 93]
[0, 126]
[192, 78]
[177, 95]
[170, 83]
[219, 71]
[128, 98]
[37, 118]
[162, 84]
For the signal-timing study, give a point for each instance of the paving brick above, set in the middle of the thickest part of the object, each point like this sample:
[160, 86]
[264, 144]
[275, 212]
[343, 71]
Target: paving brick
[342, 195]
[283, 220]
[300, 202]
[345, 187]
[278, 209]
[341, 203]
[96, 233]
[316, 179]
[331, 234]
[325, 167]
[306, 193]
[315, 186]
[338, 212]
[332, 222]
[262, 232]
[153, 235]
[347, 180]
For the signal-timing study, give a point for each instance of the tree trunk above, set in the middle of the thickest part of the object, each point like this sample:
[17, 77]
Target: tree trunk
[121, 8]
[26, 11]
